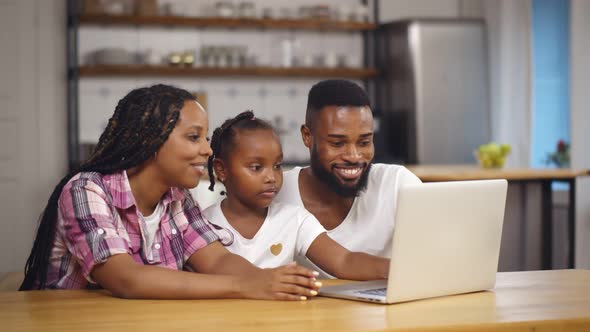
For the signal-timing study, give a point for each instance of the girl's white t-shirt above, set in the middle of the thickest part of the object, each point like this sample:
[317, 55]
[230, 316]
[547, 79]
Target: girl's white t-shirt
[369, 225]
[287, 231]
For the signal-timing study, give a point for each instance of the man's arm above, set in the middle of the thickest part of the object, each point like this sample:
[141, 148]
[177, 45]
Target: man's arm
[344, 264]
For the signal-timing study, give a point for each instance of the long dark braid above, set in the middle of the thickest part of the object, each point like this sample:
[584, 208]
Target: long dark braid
[223, 137]
[141, 123]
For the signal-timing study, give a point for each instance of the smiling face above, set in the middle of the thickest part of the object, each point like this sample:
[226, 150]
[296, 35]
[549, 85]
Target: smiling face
[341, 147]
[251, 171]
[182, 159]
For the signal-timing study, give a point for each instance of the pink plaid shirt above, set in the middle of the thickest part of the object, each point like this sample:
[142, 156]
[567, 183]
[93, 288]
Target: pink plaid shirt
[98, 218]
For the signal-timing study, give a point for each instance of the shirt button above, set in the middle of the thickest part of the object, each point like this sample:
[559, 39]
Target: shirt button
[157, 246]
[174, 231]
[100, 231]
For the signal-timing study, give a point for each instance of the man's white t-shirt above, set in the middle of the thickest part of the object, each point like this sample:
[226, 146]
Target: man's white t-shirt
[368, 227]
[287, 231]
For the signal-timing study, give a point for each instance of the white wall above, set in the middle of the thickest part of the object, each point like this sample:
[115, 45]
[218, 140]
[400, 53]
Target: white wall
[509, 35]
[32, 119]
[580, 122]
[52, 80]
[390, 10]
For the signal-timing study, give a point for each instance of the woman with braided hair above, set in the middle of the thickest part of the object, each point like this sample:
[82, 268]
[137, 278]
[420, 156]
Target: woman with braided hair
[125, 220]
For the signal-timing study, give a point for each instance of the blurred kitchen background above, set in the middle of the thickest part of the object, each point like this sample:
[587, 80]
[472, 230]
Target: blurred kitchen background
[444, 76]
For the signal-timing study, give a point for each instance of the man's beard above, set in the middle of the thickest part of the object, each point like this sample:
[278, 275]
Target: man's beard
[333, 183]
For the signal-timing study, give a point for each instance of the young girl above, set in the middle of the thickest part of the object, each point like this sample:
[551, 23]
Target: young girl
[247, 159]
[126, 221]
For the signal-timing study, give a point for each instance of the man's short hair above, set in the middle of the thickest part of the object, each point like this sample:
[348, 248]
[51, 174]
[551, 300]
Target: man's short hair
[334, 93]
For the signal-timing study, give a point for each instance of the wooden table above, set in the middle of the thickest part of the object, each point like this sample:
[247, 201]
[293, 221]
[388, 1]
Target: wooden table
[432, 173]
[538, 301]
[546, 177]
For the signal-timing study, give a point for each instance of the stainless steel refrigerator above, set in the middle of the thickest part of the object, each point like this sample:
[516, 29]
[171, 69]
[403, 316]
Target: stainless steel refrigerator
[432, 95]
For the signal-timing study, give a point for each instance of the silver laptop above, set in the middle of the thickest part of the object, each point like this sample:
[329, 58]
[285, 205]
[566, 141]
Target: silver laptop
[446, 241]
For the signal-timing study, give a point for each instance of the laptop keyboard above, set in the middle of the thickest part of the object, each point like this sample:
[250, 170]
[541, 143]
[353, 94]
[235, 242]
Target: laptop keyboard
[377, 291]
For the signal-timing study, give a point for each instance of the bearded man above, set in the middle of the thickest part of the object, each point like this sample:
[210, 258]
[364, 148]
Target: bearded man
[354, 199]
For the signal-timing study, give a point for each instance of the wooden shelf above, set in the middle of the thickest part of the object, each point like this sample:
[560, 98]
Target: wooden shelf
[146, 70]
[202, 22]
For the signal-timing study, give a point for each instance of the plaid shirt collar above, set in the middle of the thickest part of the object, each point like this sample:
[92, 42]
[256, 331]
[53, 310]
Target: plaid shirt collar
[123, 196]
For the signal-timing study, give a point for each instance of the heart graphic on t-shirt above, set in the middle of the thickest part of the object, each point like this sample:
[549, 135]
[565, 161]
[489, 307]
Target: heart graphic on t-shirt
[275, 249]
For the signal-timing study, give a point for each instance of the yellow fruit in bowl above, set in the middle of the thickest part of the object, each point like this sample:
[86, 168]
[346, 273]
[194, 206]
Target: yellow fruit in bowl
[506, 149]
[492, 155]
